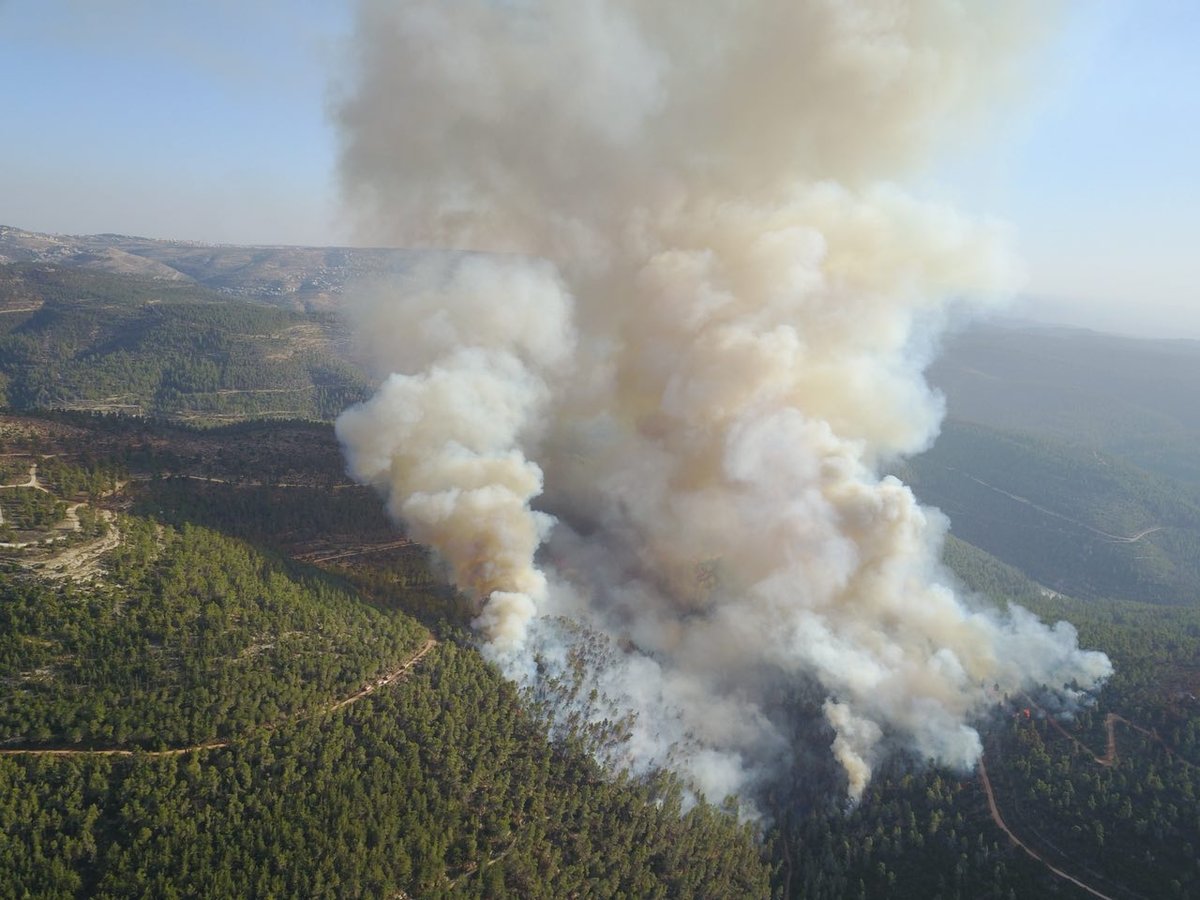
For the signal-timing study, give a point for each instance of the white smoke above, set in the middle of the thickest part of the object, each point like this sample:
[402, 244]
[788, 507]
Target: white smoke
[467, 342]
[753, 298]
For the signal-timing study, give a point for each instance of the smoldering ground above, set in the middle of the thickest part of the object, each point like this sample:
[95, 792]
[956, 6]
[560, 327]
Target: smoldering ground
[660, 407]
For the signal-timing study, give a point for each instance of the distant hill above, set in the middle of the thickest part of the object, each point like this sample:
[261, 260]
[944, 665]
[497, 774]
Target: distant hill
[1129, 397]
[1079, 521]
[297, 278]
[1073, 456]
[77, 338]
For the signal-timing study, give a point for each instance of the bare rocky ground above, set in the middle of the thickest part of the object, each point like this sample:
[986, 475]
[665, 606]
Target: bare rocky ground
[81, 562]
[51, 551]
[258, 462]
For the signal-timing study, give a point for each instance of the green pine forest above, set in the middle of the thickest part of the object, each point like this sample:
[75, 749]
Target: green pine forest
[217, 667]
[72, 339]
[223, 673]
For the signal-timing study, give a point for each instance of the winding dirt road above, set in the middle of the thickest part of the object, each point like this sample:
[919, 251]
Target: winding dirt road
[322, 556]
[32, 482]
[387, 679]
[1033, 854]
[1111, 538]
[1108, 759]
[369, 689]
[1110, 747]
[1137, 537]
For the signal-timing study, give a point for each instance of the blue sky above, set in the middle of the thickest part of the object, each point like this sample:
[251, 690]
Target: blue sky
[204, 120]
[208, 121]
[1100, 171]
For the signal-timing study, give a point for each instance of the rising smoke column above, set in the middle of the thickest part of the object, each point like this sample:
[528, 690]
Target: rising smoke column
[466, 343]
[702, 339]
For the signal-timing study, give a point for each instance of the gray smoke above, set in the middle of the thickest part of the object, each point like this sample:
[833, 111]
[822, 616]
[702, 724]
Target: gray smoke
[700, 336]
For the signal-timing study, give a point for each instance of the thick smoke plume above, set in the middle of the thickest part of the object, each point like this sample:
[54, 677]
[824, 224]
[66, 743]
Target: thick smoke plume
[467, 342]
[699, 336]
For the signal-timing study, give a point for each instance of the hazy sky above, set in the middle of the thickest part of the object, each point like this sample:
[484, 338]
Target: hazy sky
[204, 120]
[208, 121]
[1100, 172]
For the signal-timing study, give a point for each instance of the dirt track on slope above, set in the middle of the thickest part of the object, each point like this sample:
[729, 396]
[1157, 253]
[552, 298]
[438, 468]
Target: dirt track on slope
[1033, 854]
[387, 679]
[323, 556]
[1108, 759]
[369, 689]
[1110, 748]
[1112, 538]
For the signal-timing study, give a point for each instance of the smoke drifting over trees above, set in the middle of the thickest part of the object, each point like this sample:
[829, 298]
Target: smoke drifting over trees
[662, 411]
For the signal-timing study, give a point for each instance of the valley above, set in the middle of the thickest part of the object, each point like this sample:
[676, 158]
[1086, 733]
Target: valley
[222, 665]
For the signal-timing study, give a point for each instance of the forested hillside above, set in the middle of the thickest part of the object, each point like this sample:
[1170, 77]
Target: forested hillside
[1121, 815]
[221, 671]
[77, 339]
[224, 672]
[188, 637]
[182, 714]
[1079, 521]
[1129, 397]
